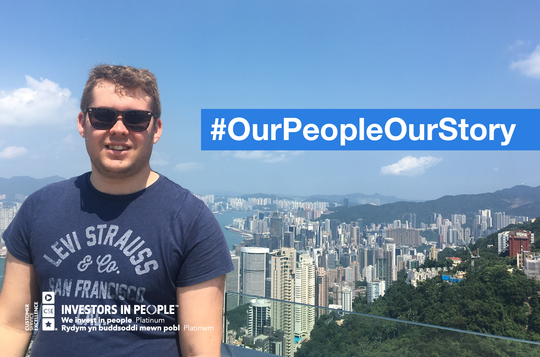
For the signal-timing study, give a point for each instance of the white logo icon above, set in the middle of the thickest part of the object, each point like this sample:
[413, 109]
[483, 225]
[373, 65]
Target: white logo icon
[48, 297]
[47, 324]
[48, 311]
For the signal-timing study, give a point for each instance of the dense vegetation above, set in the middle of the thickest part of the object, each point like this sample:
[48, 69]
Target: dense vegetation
[494, 298]
[363, 336]
[237, 317]
[490, 300]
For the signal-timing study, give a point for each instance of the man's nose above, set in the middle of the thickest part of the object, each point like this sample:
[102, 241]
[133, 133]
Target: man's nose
[119, 127]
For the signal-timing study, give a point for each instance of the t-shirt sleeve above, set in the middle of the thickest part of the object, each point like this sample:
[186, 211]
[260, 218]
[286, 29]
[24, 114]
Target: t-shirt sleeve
[206, 254]
[17, 234]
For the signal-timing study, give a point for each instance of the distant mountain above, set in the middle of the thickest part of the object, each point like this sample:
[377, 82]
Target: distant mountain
[519, 200]
[354, 199]
[24, 185]
[262, 195]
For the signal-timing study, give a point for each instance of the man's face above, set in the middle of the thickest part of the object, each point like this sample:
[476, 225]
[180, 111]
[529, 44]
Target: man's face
[118, 152]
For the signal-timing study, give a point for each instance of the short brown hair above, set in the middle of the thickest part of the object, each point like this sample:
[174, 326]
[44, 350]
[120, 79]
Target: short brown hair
[125, 78]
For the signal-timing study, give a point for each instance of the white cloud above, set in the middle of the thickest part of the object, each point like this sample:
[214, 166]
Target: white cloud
[266, 156]
[529, 66]
[410, 166]
[518, 44]
[12, 152]
[187, 166]
[40, 102]
[68, 140]
[159, 159]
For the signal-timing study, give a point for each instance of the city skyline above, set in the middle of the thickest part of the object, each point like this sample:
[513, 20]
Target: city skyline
[287, 257]
[355, 54]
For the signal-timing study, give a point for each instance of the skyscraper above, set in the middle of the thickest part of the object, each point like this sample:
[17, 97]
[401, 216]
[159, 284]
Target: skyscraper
[331, 259]
[321, 288]
[305, 294]
[346, 298]
[253, 270]
[288, 239]
[276, 229]
[283, 269]
[334, 223]
[389, 268]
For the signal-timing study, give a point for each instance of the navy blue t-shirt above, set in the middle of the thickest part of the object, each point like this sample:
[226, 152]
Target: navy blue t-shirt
[122, 254]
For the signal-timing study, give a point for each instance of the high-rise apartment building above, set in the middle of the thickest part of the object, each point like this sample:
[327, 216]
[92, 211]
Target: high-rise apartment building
[375, 289]
[433, 253]
[355, 234]
[316, 254]
[502, 241]
[389, 268]
[458, 219]
[282, 275]
[336, 294]
[346, 298]
[369, 273]
[412, 220]
[407, 236]
[304, 294]
[485, 218]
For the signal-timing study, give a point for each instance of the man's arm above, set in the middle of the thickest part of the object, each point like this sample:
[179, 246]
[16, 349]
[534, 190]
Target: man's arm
[200, 316]
[20, 288]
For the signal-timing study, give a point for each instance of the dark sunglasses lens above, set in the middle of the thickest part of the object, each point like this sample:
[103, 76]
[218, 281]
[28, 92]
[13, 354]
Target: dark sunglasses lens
[137, 120]
[134, 120]
[102, 118]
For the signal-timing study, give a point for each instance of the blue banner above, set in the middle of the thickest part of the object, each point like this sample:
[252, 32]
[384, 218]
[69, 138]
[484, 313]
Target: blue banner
[370, 129]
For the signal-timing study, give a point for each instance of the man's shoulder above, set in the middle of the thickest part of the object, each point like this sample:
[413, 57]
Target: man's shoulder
[58, 189]
[180, 200]
[175, 191]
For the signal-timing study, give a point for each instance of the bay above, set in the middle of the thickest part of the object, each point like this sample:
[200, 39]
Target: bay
[225, 219]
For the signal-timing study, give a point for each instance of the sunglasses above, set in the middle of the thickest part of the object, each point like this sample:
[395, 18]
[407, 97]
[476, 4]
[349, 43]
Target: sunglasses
[105, 118]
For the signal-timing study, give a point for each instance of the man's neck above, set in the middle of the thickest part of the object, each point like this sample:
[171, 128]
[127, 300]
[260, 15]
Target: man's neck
[124, 185]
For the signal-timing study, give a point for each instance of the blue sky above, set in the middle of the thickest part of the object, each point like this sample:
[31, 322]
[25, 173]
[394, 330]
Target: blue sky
[273, 54]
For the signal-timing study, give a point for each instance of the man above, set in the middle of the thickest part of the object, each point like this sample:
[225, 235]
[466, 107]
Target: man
[136, 261]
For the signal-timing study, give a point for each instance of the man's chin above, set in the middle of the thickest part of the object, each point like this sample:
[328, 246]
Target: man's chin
[117, 171]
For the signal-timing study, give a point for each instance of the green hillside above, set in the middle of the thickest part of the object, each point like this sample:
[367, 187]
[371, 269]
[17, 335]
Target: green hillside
[494, 298]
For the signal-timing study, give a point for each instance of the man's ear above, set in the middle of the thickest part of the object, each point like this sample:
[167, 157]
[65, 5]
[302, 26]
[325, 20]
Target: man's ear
[81, 125]
[158, 127]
